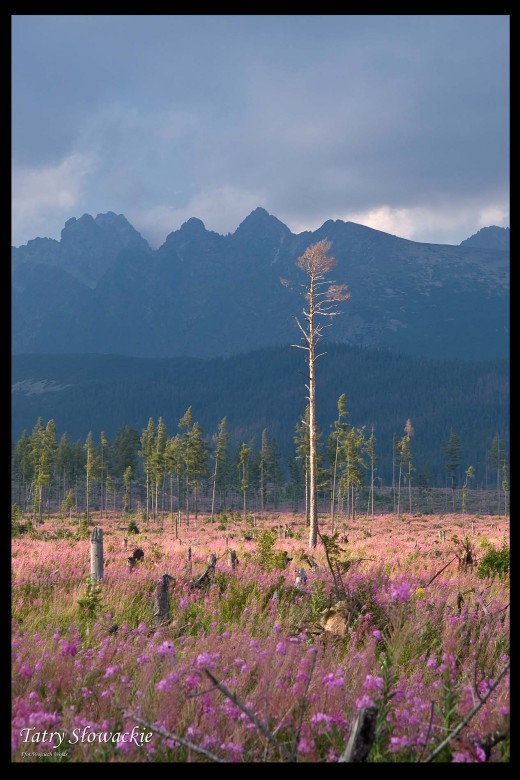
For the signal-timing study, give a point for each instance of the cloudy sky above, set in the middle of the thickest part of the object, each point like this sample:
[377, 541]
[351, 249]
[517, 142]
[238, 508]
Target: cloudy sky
[397, 122]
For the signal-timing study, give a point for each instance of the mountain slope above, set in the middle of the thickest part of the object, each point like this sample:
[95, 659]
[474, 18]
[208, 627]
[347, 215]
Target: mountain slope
[203, 294]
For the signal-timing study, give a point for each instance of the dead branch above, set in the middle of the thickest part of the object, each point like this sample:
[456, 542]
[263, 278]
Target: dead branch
[464, 722]
[430, 724]
[251, 715]
[171, 735]
[331, 568]
[440, 572]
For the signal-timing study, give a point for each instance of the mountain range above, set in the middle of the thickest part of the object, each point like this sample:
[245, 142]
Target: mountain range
[102, 289]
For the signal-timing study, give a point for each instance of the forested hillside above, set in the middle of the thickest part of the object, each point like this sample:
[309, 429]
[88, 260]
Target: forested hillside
[265, 389]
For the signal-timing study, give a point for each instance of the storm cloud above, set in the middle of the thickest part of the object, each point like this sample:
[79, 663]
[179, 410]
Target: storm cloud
[397, 122]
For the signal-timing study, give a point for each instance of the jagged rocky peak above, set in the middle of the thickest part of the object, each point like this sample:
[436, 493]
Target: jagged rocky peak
[492, 237]
[107, 224]
[120, 226]
[193, 226]
[261, 222]
[74, 227]
[38, 250]
[90, 246]
[111, 218]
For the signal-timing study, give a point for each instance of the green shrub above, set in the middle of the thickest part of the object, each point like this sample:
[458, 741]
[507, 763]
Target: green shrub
[495, 563]
[132, 527]
[17, 524]
[90, 603]
[280, 559]
[83, 531]
[265, 554]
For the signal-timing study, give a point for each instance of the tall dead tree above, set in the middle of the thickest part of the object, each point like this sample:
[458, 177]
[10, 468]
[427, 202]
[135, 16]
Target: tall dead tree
[321, 296]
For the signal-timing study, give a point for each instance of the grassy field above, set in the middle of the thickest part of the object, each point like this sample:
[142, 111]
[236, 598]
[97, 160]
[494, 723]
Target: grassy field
[295, 662]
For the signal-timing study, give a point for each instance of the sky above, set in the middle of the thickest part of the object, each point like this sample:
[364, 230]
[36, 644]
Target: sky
[398, 122]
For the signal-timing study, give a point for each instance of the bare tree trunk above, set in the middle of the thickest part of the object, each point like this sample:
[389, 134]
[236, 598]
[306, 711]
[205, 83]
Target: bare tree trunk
[87, 492]
[307, 521]
[187, 496]
[214, 488]
[147, 493]
[101, 486]
[171, 496]
[313, 507]
[399, 494]
[332, 499]
[318, 303]
[393, 470]
[262, 485]
[40, 504]
[372, 489]
[178, 520]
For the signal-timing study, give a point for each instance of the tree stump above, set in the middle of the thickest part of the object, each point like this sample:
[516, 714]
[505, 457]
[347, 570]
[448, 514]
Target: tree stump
[232, 559]
[96, 555]
[161, 603]
[205, 579]
[361, 737]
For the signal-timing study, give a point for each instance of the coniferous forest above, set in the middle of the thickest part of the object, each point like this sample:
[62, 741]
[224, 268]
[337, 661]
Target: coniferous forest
[160, 470]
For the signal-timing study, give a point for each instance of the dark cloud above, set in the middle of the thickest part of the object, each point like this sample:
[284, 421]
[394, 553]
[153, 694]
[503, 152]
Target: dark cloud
[405, 117]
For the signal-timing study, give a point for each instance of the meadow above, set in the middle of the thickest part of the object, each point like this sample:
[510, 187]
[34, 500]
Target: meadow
[259, 665]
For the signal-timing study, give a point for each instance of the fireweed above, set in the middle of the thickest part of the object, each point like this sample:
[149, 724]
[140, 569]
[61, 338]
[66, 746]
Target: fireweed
[421, 652]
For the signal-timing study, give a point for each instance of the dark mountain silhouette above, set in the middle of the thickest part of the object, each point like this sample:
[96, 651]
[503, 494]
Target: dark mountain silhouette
[102, 289]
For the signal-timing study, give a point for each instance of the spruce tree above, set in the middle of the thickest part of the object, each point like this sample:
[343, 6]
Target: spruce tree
[221, 458]
[452, 452]
[337, 442]
[174, 466]
[243, 459]
[370, 448]
[146, 452]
